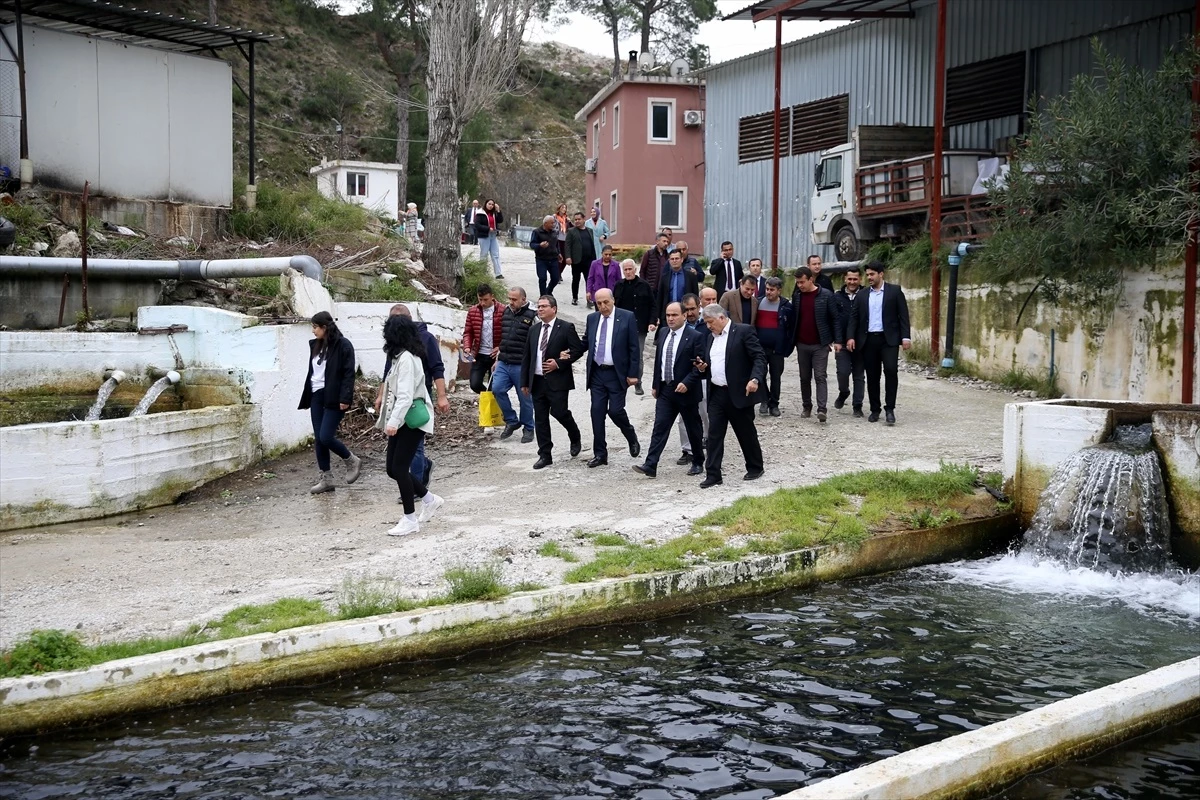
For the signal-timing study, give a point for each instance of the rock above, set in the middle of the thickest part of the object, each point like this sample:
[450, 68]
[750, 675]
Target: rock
[180, 241]
[416, 266]
[120, 230]
[337, 248]
[454, 301]
[420, 287]
[305, 295]
[387, 277]
[40, 247]
[68, 246]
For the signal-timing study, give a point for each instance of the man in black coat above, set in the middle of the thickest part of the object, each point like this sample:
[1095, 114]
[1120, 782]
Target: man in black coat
[726, 270]
[735, 366]
[672, 286]
[633, 293]
[879, 328]
[819, 278]
[547, 376]
[849, 364]
[543, 242]
[676, 388]
[613, 363]
[581, 252]
[816, 327]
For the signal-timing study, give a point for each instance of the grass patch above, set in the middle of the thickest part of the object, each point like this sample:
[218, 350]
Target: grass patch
[556, 550]
[29, 220]
[609, 540]
[263, 286]
[298, 214]
[528, 586]
[474, 583]
[476, 273]
[370, 595]
[287, 612]
[1020, 380]
[637, 559]
[393, 291]
[992, 480]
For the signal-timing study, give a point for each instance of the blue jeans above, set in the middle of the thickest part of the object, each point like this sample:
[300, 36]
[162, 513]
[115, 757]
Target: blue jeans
[490, 247]
[551, 270]
[325, 423]
[419, 467]
[505, 377]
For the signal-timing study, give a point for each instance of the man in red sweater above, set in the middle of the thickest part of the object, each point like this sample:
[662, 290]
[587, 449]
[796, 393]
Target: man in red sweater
[816, 314]
[481, 336]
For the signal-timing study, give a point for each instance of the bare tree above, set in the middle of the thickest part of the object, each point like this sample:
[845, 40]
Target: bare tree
[474, 48]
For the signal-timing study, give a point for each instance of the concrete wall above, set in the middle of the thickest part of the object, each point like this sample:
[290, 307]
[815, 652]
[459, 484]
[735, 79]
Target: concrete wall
[134, 121]
[78, 470]
[1177, 437]
[31, 302]
[1128, 349]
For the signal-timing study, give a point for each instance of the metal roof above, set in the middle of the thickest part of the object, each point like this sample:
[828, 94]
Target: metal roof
[827, 9]
[130, 25]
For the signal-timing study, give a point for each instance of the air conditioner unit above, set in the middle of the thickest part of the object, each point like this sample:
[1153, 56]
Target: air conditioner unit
[693, 118]
[590, 165]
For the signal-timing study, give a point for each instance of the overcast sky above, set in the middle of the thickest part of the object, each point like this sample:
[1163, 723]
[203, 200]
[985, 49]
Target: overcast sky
[725, 40]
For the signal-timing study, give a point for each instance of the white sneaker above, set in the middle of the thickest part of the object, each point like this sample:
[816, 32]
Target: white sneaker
[404, 527]
[430, 507]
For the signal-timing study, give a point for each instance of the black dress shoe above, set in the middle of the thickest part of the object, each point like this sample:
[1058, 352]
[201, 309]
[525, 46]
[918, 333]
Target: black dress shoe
[575, 301]
[889, 417]
[644, 470]
[858, 412]
[686, 458]
[806, 413]
[774, 411]
[821, 416]
[841, 399]
[598, 461]
[639, 390]
[753, 475]
[543, 462]
[762, 408]
[575, 448]
[874, 417]
[708, 482]
[696, 469]
[635, 447]
[509, 430]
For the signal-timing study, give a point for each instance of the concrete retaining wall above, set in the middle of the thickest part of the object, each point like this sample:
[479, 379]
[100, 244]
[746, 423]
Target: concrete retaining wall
[52, 700]
[982, 761]
[79, 470]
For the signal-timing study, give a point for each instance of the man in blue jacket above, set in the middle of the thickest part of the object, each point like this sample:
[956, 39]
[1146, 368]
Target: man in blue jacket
[544, 244]
[614, 362]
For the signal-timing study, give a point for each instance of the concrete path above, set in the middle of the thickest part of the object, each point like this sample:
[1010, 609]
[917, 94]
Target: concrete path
[259, 535]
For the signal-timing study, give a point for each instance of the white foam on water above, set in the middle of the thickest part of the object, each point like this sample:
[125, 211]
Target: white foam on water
[1175, 592]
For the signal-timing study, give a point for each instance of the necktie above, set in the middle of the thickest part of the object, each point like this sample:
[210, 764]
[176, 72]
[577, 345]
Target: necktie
[728, 275]
[669, 361]
[603, 337]
[545, 341]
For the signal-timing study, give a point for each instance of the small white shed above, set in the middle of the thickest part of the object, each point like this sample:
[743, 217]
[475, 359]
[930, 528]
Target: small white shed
[369, 183]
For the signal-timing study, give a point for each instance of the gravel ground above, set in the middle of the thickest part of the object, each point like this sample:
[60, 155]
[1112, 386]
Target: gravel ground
[258, 535]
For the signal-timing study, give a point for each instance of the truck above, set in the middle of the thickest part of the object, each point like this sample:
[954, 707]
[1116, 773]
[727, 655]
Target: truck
[879, 186]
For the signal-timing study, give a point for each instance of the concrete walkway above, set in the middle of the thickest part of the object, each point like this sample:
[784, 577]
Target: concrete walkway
[259, 536]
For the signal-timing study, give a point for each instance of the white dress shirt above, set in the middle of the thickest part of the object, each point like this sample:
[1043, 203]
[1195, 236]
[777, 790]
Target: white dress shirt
[717, 354]
[541, 354]
[875, 310]
[607, 361]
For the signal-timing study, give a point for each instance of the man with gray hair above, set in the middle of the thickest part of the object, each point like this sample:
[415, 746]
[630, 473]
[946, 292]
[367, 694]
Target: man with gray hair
[544, 244]
[735, 367]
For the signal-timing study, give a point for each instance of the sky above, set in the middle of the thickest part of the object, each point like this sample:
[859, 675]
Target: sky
[725, 40]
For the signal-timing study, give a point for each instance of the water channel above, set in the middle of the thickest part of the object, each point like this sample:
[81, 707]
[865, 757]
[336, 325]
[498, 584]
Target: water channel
[742, 700]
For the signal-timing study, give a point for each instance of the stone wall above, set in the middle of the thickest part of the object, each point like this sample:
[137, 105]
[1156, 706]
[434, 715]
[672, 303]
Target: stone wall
[1129, 349]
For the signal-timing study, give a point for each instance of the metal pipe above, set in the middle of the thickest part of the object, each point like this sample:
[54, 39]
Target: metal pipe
[776, 155]
[1189, 257]
[951, 306]
[83, 254]
[935, 211]
[161, 270]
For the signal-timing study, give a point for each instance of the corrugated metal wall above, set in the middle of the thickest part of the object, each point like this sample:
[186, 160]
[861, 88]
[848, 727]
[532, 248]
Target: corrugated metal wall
[886, 66]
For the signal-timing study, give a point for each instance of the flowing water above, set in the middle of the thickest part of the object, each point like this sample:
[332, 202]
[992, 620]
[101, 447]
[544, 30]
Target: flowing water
[1105, 507]
[157, 388]
[106, 390]
[742, 700]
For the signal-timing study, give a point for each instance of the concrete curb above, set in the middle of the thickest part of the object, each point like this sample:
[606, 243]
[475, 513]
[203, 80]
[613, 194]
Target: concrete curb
[42, 702]
[980, 762]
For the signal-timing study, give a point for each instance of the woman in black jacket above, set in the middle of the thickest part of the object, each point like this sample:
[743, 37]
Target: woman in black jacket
[328, 394]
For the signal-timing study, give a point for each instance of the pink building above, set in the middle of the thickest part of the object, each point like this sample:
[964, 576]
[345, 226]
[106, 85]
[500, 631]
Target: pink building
[645, 158]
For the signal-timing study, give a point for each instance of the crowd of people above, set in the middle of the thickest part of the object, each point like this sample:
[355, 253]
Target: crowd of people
[719, 353]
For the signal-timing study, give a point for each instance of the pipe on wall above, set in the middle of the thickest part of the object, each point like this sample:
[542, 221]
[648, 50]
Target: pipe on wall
[161, 270]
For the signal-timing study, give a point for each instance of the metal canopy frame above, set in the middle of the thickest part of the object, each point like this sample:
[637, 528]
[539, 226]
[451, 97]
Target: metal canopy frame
[827, 9]
[128, 25]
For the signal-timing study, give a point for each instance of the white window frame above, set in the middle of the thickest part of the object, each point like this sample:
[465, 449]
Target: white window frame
[651, 102]
[616, 128]
[595, 139]
[366, 184]
[603, 117]
[682, 191]
[613, 209]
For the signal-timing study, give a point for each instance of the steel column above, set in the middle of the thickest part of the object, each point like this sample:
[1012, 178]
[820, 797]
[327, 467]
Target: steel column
[250, 58]
[935, 211]
[21, 82]
[775, 158]
[1189, 258]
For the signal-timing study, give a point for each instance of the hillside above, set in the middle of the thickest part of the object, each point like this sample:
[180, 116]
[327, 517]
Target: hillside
[330, 62]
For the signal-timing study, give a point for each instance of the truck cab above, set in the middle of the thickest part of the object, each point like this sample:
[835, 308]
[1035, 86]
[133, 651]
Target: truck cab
[833, 208]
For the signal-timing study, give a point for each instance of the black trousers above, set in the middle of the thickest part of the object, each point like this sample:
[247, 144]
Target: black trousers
[775, 363]
[549, 403]
[877, 357]
[723, 414]
[481, 369]
[608, 400]
[667, 408]
[850, 364]
[579, 272]
[400, 451]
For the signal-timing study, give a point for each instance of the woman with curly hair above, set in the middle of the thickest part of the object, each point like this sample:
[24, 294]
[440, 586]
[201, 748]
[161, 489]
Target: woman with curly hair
[406, 415]
[328, 394]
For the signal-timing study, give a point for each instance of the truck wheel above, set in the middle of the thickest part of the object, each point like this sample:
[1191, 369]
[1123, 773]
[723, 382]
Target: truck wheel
[845, 244]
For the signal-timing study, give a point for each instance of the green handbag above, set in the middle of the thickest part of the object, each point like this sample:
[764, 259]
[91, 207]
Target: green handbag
[418, 414]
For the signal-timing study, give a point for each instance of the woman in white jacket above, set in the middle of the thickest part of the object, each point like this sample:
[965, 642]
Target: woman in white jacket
[404, 421]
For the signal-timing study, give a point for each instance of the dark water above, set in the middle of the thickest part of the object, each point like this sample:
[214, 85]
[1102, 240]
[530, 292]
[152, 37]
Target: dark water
[1162, 764]
[745, 700]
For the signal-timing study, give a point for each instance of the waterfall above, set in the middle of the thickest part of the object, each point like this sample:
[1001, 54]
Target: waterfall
[157, 388]
[1105, 508]
[106, 390]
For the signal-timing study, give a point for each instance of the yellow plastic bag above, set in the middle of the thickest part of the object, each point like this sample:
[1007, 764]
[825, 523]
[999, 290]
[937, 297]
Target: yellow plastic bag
[490, 415]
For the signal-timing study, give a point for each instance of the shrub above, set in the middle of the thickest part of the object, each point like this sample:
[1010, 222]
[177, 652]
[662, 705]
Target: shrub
[474, 583]
[301, 214]
[43, 651]
[367, 596]
[476, 272]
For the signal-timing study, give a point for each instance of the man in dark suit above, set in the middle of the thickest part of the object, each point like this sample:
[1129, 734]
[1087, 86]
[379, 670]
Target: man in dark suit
[676, 388]
[613, 364]
[879, 328]
[735, 366]
[673, 285]
[754, 270]
[546, 375]
[849, 364]
[814, 264]
[726, 270]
